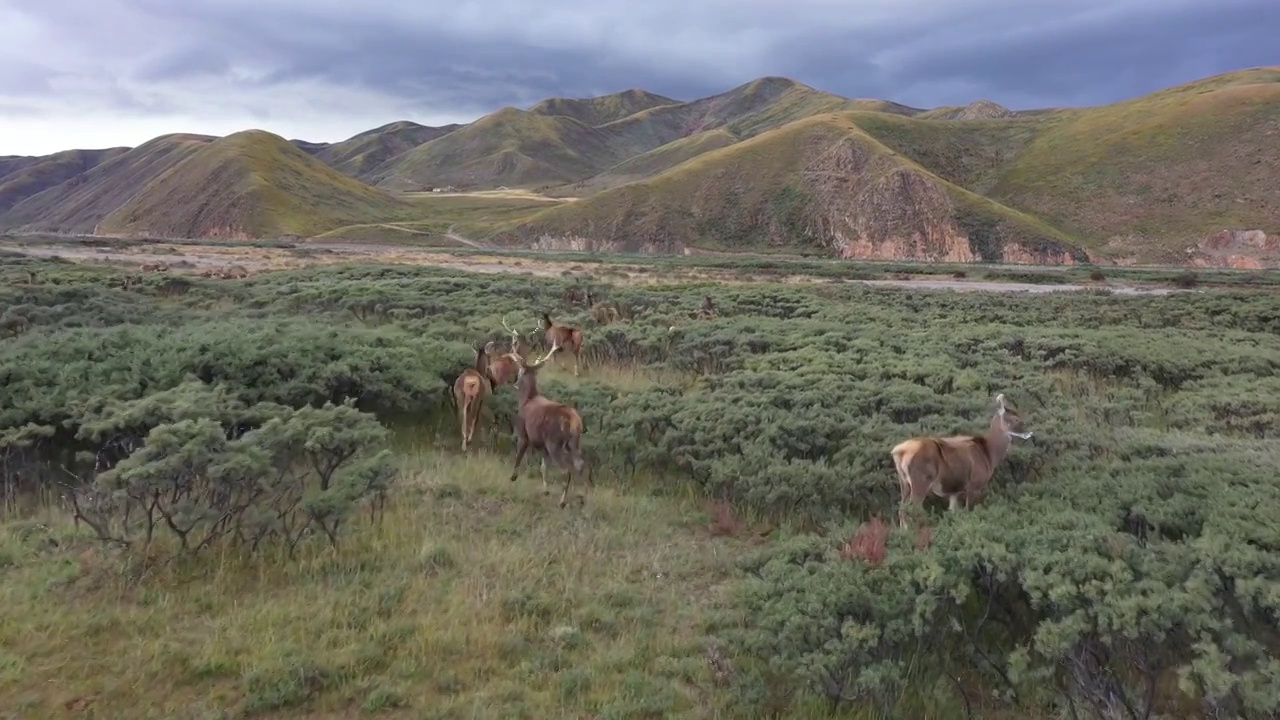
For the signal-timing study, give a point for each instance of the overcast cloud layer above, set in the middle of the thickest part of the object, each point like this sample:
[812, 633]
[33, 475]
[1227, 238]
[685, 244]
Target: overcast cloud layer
[100, 73]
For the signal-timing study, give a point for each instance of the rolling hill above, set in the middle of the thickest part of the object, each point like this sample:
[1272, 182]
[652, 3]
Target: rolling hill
[22, 177]
[821, 182]
[246, 185]
[361, 155]
[79, 203]
[1182, 175]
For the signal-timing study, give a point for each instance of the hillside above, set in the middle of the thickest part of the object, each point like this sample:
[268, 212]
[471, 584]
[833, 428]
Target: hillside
[22, 177]
[822, 183]
[250, 184]
[512, 147]
[563, 142]
[78, 204]
[360, 155]
[603, 109]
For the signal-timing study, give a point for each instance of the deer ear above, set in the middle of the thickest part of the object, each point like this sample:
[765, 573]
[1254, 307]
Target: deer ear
[1000, 404]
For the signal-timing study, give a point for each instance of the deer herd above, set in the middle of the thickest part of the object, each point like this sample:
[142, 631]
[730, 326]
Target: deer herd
[956, 467]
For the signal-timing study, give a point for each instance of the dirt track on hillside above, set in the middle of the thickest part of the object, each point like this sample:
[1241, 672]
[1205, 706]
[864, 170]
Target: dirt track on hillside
[195, 258]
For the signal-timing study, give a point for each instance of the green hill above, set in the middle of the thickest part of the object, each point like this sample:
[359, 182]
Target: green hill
[510, 147]
[78, 204]
[821, 183]
[250, 184]
[22, 177]
[360, 155]
[604, 109]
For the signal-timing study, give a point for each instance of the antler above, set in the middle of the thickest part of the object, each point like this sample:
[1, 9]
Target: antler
[515, 335]
[555, 345]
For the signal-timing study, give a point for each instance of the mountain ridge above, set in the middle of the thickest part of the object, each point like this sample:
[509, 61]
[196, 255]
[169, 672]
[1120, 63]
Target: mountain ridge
[1177, 175]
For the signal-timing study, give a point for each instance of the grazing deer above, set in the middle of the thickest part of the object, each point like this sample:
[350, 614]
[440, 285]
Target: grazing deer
[562, 337]
[548, 426]
[602, 312]
[469, 392]
[956, 467]
[154, 267]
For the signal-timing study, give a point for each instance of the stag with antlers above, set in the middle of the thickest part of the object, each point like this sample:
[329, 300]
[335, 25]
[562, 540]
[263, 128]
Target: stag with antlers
[503, 368]
[547, 426]
[956, 467]
[562, 337]
[469, 392]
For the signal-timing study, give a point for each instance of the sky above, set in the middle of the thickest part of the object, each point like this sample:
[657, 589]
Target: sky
[105, 73]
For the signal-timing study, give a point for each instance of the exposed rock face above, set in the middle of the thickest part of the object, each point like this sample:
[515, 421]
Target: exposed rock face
[1240, 249]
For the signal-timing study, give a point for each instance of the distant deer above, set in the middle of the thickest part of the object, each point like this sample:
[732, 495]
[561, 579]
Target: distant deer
[154, 267]
[563, 337]
[548, 426]
[603, 312]
[706, 310]
[956, 467]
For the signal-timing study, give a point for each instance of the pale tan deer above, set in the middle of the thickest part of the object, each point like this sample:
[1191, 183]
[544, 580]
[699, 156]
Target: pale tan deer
[547, 426]
[469, 392]
[602, 312]
[956, 467]
[563, 337]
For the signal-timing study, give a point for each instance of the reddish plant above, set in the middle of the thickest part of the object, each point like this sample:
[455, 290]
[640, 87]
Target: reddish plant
[868, 542]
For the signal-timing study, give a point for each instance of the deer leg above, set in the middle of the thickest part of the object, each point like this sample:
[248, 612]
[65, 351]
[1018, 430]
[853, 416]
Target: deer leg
[522, 446]
[953, 502]
[462, 410]
[546, 489]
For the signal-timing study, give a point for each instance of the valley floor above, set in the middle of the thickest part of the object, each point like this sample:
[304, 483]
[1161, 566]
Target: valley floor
[193, 257]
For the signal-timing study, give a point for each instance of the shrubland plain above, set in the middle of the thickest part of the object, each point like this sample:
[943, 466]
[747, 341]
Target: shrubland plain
[247, 497]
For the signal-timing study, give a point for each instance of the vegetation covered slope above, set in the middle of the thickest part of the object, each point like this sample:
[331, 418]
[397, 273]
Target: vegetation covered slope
[78, 204]
[1150, 176]
[567, 141]
[602, 109]
[510, 147]
[360, 155]
[250, 184]
[22, 177]
[823, 182]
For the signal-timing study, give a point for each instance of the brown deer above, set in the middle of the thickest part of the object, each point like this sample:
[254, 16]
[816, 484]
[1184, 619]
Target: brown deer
[154, 267]
[562, 337]
[547, 426]
[469, 392]
[707, 310]
[956, 467]
[602, 312]
[503, 368]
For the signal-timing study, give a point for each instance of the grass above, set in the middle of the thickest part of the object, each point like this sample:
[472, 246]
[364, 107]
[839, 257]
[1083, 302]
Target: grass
[364, 154]
[475, 597]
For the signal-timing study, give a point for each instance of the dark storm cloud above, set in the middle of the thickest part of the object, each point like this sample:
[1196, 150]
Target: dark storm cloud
[470, 57]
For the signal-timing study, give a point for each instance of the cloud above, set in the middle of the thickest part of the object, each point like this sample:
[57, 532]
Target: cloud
[323, 70]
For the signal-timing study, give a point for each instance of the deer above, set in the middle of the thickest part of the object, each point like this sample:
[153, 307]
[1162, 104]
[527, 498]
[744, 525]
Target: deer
[562, 337]
[602, 312]
[503, 368]
[707, 310]
[469, 392]
[154, 267]
[957, 467]
[548, 426]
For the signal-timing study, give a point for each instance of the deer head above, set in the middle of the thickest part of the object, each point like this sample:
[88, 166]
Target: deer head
[1010, 421]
